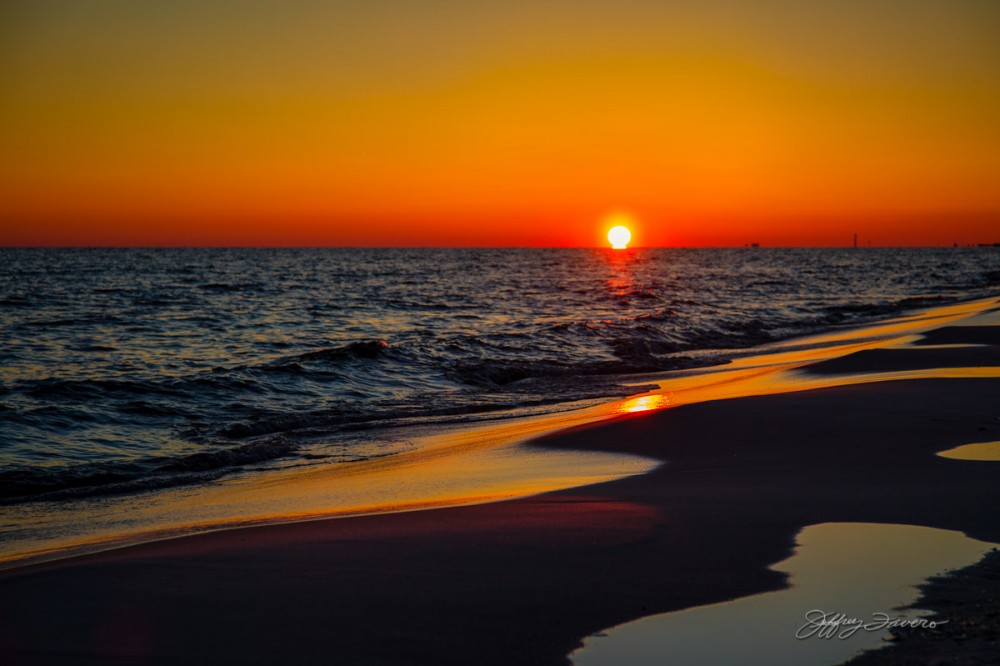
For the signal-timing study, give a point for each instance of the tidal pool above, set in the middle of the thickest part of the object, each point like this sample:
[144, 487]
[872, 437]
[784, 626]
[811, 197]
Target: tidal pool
[849, 581]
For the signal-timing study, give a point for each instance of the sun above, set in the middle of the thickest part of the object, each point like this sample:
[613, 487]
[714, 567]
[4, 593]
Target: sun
[619, 236]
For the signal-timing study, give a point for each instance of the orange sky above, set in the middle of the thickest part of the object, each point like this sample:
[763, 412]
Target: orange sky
[228, 122]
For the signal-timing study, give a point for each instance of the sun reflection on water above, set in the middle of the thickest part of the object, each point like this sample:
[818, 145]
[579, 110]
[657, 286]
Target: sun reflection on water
[622, 280]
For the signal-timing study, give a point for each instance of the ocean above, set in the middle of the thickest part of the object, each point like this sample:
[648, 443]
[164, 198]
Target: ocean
[128, 370]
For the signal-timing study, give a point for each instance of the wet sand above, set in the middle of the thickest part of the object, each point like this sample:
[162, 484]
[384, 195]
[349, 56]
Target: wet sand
[524, 581]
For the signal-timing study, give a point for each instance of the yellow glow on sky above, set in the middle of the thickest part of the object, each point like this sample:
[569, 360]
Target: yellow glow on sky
[394, 123]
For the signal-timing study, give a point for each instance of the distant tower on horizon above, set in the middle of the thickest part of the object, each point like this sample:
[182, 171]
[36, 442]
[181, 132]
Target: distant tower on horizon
[855, 240]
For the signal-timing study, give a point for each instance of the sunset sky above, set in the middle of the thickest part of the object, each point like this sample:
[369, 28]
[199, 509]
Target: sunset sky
[395, 122]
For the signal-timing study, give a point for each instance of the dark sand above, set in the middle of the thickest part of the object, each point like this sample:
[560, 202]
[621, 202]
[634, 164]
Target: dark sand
[891, 360]
[522, 582]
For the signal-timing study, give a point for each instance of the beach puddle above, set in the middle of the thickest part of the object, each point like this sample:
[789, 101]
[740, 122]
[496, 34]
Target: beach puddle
[984, 451]
[849, 582]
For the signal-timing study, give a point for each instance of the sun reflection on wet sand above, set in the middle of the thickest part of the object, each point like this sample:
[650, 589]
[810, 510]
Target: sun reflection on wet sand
[645, 403]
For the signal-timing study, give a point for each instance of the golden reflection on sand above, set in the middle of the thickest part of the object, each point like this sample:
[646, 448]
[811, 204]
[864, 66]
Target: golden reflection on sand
[983, 451]
[644, 403]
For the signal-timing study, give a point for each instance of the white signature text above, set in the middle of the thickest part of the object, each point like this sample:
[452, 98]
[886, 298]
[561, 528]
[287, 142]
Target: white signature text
[820, 624]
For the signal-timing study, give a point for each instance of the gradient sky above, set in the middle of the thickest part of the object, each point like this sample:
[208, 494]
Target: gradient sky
[401, 122]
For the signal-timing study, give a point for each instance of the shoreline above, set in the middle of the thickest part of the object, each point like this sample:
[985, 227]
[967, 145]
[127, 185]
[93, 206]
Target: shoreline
[523, 581]
[278, 497]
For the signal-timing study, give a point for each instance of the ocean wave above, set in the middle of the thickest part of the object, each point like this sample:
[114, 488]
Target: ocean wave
[105, 478]
[227, 287]
[52, 387]
[15, 302]
[361, 349]
[634, 358]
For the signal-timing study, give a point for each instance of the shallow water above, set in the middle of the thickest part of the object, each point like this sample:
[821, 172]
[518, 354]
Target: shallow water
[464, 466]
[857, 576]
[984, 451]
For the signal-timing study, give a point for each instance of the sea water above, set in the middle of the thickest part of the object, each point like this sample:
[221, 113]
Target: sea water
[126, 370]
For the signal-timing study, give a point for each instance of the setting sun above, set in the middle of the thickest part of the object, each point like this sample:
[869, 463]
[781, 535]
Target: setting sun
[619, 236]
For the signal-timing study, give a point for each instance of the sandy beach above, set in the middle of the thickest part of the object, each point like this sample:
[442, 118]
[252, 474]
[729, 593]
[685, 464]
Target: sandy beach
[525, 581]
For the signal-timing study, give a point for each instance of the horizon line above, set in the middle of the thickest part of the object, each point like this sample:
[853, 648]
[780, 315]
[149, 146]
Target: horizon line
[747, 246]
